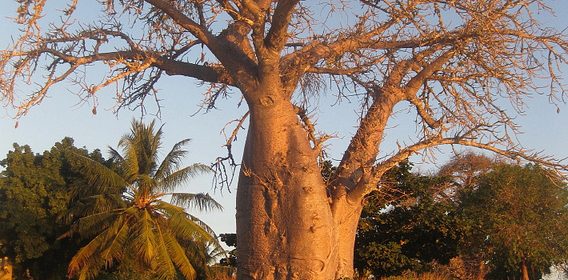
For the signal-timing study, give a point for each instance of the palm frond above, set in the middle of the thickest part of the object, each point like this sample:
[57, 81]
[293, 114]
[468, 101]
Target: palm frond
[172, 160]
[90, 270]
[179, 257]
[182, 225]
[144, 239]
[101, 203]
[98, 175]
[199, 201]
[216, 251]
[145, 143]
[130, 165]
[115, 248]
[88, 257]
[85, 205]
[93, 224]
[207, 253]
[204, 226]
[115, 156]
[181, 176]
[164, 265]
[155, 145]
[201, 254]
[145, 185]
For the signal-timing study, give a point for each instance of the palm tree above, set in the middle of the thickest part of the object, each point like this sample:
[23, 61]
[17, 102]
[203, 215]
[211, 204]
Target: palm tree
[141, 226]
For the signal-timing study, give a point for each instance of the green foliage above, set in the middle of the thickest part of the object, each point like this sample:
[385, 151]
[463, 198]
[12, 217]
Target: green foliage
[36, 190]
[519, 213]
[327, 170]
[32, 194]
[119, 221]
[491, 214]
[407, 226]
[410, 275]
[160, 238]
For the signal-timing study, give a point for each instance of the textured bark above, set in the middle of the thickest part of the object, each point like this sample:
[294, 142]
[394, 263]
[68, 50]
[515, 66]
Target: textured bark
[285, 223]
[290, 224]
[346, 218]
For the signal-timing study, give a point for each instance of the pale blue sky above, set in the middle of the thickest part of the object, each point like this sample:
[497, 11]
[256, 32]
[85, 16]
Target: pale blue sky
[60, 116]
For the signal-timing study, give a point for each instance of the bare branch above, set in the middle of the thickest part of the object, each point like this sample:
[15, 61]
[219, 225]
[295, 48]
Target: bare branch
[277, 37]
[224, 174]
[196, 29]
[462, 65]
[369, 183]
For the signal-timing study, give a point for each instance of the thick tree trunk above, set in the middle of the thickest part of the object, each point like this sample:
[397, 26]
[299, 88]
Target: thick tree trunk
[285, 223]
[346, 218]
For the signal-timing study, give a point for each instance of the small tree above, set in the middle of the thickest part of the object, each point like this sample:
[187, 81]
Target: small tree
[521, 219]
[159, 237]
[463, 173]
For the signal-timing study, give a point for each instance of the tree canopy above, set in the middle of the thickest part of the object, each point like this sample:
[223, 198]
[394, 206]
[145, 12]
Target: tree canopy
[522, 215]
[70, 210]
[408, 229]
[451, 61]
[36, 191]
[481, 217]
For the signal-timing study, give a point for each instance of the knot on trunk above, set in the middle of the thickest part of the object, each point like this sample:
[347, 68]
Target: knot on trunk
[266, 101]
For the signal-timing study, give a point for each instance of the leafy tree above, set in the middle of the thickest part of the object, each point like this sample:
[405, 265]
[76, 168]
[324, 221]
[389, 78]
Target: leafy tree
[416, 226]
[522, 218]
[463, 173]
[35, 190]
[455, 62]
[504, 221]
[161, 238]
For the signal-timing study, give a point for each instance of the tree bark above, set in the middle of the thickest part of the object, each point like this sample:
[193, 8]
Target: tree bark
[346, 218]
[286, 228]
[524, 270]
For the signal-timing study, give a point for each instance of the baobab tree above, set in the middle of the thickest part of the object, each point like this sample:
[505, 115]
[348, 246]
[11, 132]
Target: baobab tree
[465, 67]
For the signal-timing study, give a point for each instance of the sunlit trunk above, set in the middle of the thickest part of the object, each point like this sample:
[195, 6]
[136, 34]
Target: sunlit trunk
[346, 218]
[285, 227]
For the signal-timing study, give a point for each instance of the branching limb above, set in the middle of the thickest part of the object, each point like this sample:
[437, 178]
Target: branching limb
[37, 97]
[277, 35]
[317, 142]
[427, 71]
[233, 137]
[364, 147]
[196, 29]
[133, 62]
[369, 183]
[230, 48]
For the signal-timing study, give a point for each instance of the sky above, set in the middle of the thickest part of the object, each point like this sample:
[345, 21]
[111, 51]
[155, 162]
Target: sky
[62, 114]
